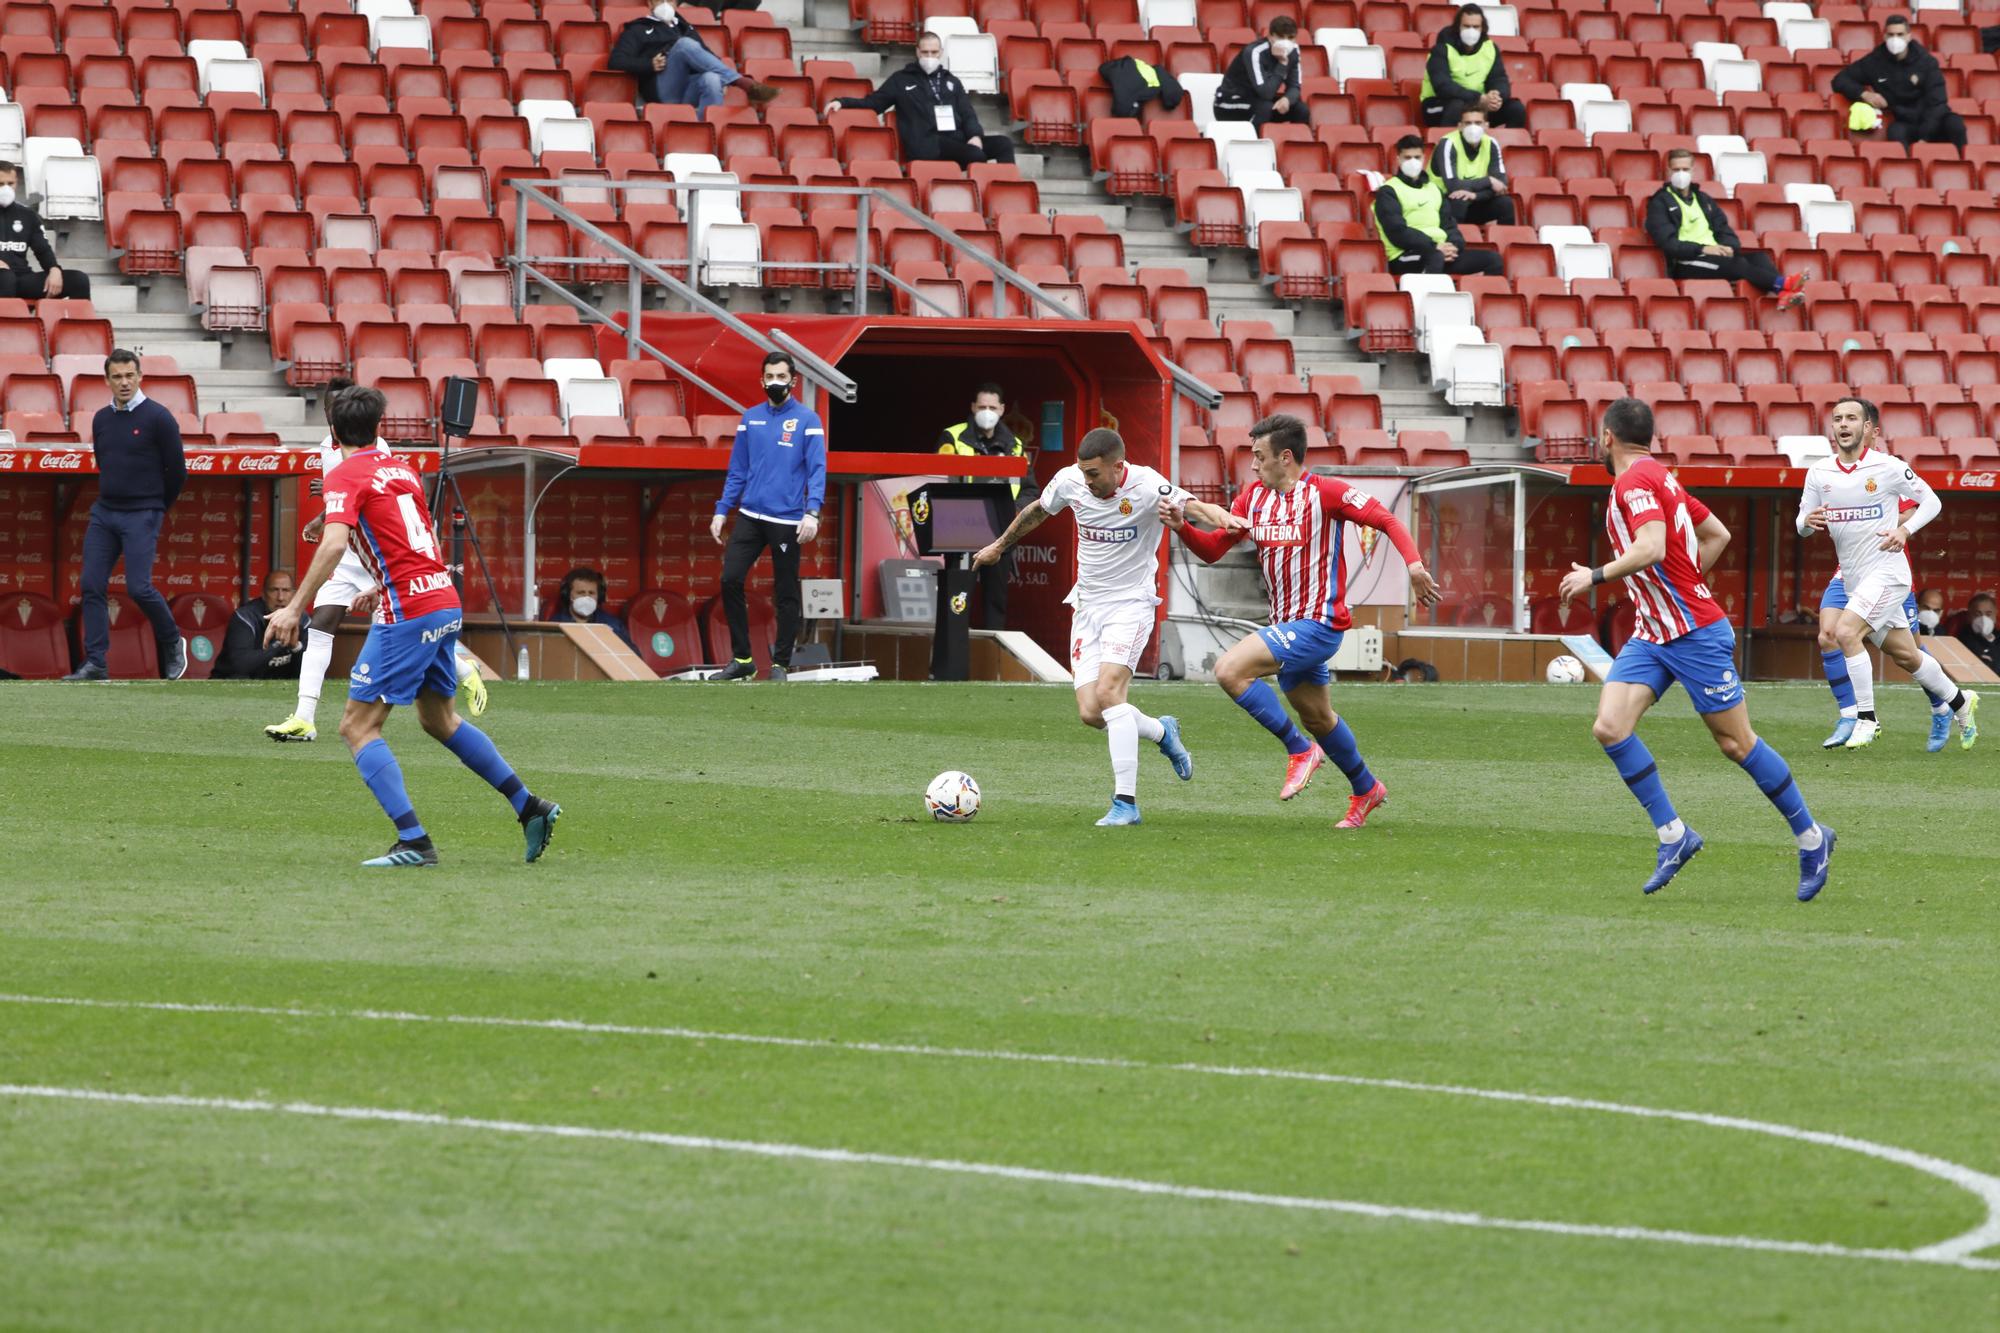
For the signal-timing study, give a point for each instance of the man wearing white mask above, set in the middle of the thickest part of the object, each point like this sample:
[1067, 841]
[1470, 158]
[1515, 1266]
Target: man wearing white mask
[1465, 69]
[1699, 242]
[672, 64]
[1930, 612]
[21, 234]
[1903, 79]
[1419, 232]
[580, 601]
[1468, 164]
[986, 434]
[1263, 83]
[1978, 634]
[935, 121]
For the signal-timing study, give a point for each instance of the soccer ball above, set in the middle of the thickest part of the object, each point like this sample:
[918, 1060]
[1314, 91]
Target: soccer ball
[952, 797]
[1565, 670]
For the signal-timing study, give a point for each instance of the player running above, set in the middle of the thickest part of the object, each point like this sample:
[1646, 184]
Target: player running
[351, 588]
[1297, 521]
[1663, 541]
[1834, 663]
[1851, 497]
[1113, 603]
[409, 653]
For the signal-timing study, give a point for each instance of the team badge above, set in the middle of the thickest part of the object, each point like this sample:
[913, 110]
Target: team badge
[921, 510]
[1125, 508]
[1870, 487]
[958, 604]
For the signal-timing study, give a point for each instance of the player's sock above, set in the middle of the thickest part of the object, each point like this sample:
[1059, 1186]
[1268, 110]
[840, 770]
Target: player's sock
[1773, 776]
[1835, 663]
[1121, 727]
[1671, 833]
[1635, 764]
[1944, 694]
[478, 753]
[312, 671]
[1261, 702]
[1149, 727]
[1340, 747]
[1861, 672]
[384, 777]
[1939, 702]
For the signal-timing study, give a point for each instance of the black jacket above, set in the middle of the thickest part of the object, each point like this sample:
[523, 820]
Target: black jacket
[244, 656]
[1389, 212]
[1913, 86]
[642, 39]
[1447, 161]
[1438, 70]
[1256, 76]
[1663, 224]
[140, 461]
[21, 235]
[1128, 90]
[916, 96]
[1986, 650]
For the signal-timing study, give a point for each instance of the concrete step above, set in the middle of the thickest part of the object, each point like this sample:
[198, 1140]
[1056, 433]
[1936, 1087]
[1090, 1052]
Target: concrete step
[276, 412]
[193, 356]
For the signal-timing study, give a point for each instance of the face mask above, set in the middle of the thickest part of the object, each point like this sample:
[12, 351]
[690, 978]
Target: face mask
[1983, 626]
[1281, 49]
[1470, 36]
[1680, 180]
[583, 607]
[986, 418]
[1928, 618]
[1897, 45]
[1413, 168]
[930, 64]
[777, 393]
[664, 13]
[6, 196]
[1472, 134]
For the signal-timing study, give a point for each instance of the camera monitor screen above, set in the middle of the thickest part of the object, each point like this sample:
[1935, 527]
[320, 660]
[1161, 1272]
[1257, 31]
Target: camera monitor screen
[963, 523]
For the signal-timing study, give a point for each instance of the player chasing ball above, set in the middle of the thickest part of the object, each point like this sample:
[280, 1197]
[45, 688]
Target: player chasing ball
[1113, 605]
[1850, 497]
[410, 652]
[1663, 543]
[1297, 521]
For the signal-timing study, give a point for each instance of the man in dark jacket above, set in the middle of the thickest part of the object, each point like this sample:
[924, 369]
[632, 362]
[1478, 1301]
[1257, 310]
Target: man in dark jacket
[984, 433]
[1418, 229]
[21, 235]
[1903, 79]
[1263, 83]
[1699, 242]
[1465, 69]
[1467, 163]
[1133, 81]
[1979, 634]
[244, 656]
[140, 472]
[934, 117]
[672, 64]
[580, 601]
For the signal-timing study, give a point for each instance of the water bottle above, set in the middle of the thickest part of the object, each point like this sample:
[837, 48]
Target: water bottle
[521, 664]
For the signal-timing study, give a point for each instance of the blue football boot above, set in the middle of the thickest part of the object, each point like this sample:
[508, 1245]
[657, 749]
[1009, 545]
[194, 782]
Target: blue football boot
[1841, 731]
[1940, 730]
[1171, 746]
[1673, 855]
[1121, 814]
[1813, 866]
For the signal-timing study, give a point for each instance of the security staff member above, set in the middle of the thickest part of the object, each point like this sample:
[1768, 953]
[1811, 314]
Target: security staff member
[985, 434]
[1465, 69]
[21, 235]
[934, 118]
[1467, 163]
[1903, 78]
[244, 655]
[1699, 242]
[1418, 234]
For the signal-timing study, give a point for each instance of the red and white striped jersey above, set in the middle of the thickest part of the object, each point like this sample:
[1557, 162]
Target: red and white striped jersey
[1669, 598]
[1300, 537]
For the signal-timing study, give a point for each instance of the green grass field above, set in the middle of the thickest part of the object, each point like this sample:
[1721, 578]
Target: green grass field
[753, 862]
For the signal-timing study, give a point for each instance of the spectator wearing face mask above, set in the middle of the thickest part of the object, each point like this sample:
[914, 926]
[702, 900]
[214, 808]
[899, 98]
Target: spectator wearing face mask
[1465, 69]
[580, 601]
[935, 121]
[672, 64]
[1698, 241]
[1903, 79]
[1263, 83]
[1930, 610]
[1467, 163]
[1978, 634]
[1418, 230]
[986, 434]
[21, 235]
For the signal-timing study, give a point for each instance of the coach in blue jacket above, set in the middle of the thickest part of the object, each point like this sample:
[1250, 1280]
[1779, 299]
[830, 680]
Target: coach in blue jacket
[777, 479]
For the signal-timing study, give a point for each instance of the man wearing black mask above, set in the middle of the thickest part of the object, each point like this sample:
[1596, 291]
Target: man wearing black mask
[21, 235]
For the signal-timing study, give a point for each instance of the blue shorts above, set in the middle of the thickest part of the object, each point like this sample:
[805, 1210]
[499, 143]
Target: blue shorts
[1302, 648]
[401, 660]
[1704, 662]
[1835, 598]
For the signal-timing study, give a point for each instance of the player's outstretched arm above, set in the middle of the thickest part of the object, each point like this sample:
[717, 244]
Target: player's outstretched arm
[1711, 538]
[1024, 523]
[1214, 516]
[283, 626]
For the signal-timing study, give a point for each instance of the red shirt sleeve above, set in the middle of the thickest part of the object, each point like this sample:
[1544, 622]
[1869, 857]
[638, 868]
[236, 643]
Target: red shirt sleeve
[1640, 502]
[1351, 502]
[343, 489]
[1212, 546]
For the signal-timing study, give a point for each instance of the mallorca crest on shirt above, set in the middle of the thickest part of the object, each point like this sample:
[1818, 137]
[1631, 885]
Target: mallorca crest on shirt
[1125, 508]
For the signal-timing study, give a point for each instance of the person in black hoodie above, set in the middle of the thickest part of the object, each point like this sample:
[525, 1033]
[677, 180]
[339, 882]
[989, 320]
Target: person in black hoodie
[934, 117]
[21, 234]
[1903, 79]
[1465, 69]
[244, 654]
[1698, 241]
[672, 64]
[1263, 84]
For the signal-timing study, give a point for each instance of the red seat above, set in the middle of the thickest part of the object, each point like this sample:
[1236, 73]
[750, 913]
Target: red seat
[664, 630]
[715, 631]
[32, 643]
[204, 619]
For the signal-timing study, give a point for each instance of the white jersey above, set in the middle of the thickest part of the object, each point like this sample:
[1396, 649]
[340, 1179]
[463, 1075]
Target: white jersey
[1117, 539]
[329, 454]
[1863, 505]
[350, 580]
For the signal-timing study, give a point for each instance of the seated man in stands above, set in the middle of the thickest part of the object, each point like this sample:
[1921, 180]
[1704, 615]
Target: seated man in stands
[934, 117]
[672, 64]
[244, 656]
[1903, 79]
[1467, 163]
[1263, 83]
[1979, 632]
[580, 601]
[1465, 69]
[21, 235]
[1699, 242]
[1419, 234]
[1930, 611]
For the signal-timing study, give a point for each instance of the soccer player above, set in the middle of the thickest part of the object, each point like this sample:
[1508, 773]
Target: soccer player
[1113, 604]
[351, 588]
[373, 498]
[1663, 543]
[1855, 497]
[1834, 662]
[1297, 521]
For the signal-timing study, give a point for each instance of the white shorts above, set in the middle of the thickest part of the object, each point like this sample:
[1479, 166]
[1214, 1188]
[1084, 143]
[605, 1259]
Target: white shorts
[351, 582]
[1113, 635]
[1878, 599]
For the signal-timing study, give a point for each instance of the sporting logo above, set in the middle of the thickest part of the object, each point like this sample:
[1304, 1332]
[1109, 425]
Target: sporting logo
[958, 604]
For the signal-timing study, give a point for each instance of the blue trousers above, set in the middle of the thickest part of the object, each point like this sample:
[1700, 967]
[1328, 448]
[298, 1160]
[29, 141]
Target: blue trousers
[695, 76]
[136, 535]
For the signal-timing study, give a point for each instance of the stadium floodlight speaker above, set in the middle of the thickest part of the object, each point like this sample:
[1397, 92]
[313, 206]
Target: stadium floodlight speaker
[460, 404]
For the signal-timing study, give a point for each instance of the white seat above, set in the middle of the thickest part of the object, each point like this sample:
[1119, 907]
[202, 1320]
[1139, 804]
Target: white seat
[351, 231]
[1441, 342]
[948, 26]
[708, 208]
[72, 187]
[1806, 34]
[1953, 5]
[1803, 449]
[1708, 145]
[204, 49]
[1334, 38]
[233, 76]
[1225, 132]
[1272, 204]
[1779, 10]
[401, 30]
[1556, 235]
[1443, 310]
[563, 369]
[1502, 21]
[682, 165]
[1478, 375]
[585, 396]
[1734, 169]
[535, 110]
[13, 131]
[1824, 218]
[375, 9]
[1708, 53]
[34, 157]
[1576, 94]
[1420, 287]
[1735, 76]
[975, 59]
[1359, 62]
[1595, 118]
[1806, 192]
[559, 134]
[7, 437]
[1200, 91]
[1246, 156]
[201, 260]
[731, 254]
[1588, 260]
[1167, 14]
[1267, 179]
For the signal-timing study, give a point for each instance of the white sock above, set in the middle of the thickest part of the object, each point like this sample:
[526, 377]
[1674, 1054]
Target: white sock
[1670, 833]
[1930, 675]
[1861, 671]
[1121, 726]
[1850, 712]
[1810, 840]
[312, 671]
[1149, 727]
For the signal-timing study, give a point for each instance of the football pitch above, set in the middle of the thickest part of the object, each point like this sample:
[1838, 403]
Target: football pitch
[757, 1044]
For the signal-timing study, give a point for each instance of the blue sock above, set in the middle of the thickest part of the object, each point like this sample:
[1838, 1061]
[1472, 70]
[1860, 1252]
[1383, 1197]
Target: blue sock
[1836, 676]
[1261, 702]
[476, 751]
[384, 777]
[1773, 776]
[1642, 775]
[1340, 747]
[1936, 703]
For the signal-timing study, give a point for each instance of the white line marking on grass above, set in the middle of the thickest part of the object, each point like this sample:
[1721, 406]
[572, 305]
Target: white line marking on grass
[1984, 1187]
[1036, 1175]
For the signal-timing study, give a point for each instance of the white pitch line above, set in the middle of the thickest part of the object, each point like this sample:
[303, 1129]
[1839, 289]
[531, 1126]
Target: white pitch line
[993, 1170]
[1984, 1187]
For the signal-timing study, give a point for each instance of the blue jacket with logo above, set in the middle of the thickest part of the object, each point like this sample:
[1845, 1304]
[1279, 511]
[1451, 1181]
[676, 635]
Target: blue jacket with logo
[777, 467]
